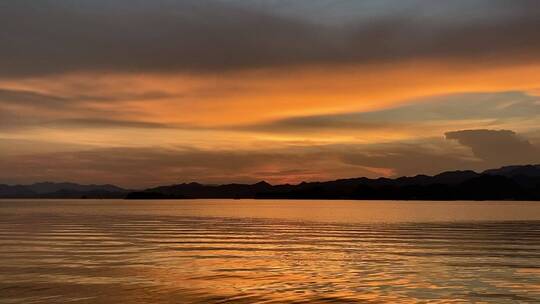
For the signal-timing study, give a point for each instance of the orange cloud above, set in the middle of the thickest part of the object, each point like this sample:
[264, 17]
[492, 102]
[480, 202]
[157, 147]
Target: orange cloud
[240, 98]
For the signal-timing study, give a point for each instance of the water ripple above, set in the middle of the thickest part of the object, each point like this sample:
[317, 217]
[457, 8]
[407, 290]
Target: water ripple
[106, 257]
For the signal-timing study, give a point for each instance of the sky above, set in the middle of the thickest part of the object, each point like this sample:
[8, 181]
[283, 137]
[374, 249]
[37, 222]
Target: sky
[141, 93]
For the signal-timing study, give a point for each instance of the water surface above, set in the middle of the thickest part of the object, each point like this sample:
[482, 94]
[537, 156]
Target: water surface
[247, 251]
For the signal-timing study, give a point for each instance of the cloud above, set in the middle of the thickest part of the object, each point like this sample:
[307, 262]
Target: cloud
[231, 74]
[316, 123]
[35, 99]
[462, 106]
[24, 109]
[143, 167]
[103, 123]
[433, 113]
[27, 98]
[476, 150]
[488, 149]
[497, 147]
[20, 122]
[404, 159]
[18, 147]
[150, 166]
[50, 37]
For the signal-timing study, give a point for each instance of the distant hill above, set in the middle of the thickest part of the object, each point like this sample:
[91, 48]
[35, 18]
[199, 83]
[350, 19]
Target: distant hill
[506, 183]
[512, 171]
[62, 190]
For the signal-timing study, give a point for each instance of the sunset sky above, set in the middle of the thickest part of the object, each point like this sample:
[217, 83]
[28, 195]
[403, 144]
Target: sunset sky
[142, 93]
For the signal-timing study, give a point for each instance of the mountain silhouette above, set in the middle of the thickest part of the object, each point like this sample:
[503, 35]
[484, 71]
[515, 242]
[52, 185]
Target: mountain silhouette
[62, 190]
[506, 183]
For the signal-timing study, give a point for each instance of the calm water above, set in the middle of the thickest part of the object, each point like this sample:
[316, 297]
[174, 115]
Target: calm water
[245, 251]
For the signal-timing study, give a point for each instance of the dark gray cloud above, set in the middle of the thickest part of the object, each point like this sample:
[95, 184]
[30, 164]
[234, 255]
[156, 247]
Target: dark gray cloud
[497, 147]
[56, 36]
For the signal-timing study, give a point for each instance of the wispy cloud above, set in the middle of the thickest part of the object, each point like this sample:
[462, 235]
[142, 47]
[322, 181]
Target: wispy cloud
[436, 112]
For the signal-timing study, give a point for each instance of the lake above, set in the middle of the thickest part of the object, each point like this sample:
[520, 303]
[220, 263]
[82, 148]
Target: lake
[266, 251]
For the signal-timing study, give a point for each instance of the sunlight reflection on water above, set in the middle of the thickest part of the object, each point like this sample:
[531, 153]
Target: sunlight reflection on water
[225, 251]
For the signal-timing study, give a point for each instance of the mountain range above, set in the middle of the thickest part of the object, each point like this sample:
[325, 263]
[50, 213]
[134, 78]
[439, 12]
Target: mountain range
[62, 190]
[506, 183]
